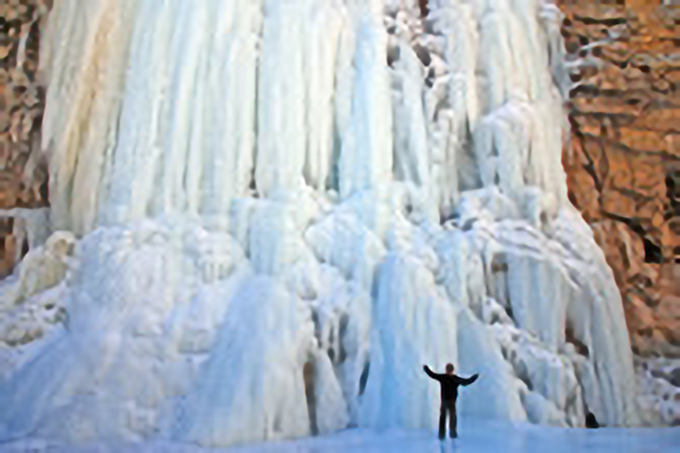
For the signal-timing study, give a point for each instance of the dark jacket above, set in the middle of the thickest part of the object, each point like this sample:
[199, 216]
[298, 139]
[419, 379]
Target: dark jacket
[449, 383]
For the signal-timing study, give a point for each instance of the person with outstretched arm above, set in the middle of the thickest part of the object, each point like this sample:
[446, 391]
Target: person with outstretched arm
[449, 393]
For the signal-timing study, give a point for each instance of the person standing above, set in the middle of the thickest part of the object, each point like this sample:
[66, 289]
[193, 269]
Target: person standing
[449, 383]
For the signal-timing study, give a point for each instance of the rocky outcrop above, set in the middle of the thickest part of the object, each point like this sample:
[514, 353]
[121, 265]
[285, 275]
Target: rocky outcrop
[623, 159]
[23, 175]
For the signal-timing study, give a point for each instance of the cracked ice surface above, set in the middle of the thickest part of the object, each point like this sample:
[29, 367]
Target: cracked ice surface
[277, 227]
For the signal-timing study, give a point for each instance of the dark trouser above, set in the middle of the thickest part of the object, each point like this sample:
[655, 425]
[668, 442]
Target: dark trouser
[450, 406]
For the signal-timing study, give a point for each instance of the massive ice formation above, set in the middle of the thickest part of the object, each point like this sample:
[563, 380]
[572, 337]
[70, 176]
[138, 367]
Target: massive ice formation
[285, 207]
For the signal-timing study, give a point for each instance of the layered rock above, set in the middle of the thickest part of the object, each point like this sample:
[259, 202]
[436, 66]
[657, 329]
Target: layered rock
[623, 160]
[23, 175]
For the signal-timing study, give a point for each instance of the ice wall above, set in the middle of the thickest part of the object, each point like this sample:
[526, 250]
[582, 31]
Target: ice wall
[285, 207]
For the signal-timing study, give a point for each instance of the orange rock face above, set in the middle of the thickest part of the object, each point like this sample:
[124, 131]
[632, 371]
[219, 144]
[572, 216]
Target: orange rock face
[23, 174]
[623, 160]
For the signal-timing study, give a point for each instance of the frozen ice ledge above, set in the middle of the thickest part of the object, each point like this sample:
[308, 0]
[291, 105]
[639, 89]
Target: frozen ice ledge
[269, 214]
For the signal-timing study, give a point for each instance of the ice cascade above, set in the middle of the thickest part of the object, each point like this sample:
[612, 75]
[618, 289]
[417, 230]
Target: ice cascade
[269, 214]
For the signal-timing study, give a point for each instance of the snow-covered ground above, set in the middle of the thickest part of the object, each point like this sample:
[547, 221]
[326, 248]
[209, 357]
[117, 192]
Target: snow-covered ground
[475, 436]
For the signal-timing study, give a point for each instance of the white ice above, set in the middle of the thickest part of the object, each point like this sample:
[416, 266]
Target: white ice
[477, 436]
[282, 209]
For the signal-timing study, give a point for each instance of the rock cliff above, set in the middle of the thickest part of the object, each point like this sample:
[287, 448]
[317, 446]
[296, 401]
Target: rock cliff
[23, 173]
[623, 159]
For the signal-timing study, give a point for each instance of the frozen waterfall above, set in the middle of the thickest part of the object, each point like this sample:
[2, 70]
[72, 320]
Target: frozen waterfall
[282, 208]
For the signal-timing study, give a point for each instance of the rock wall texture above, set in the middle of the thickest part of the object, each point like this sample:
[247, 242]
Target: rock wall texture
[623, 160]
[23, 175]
